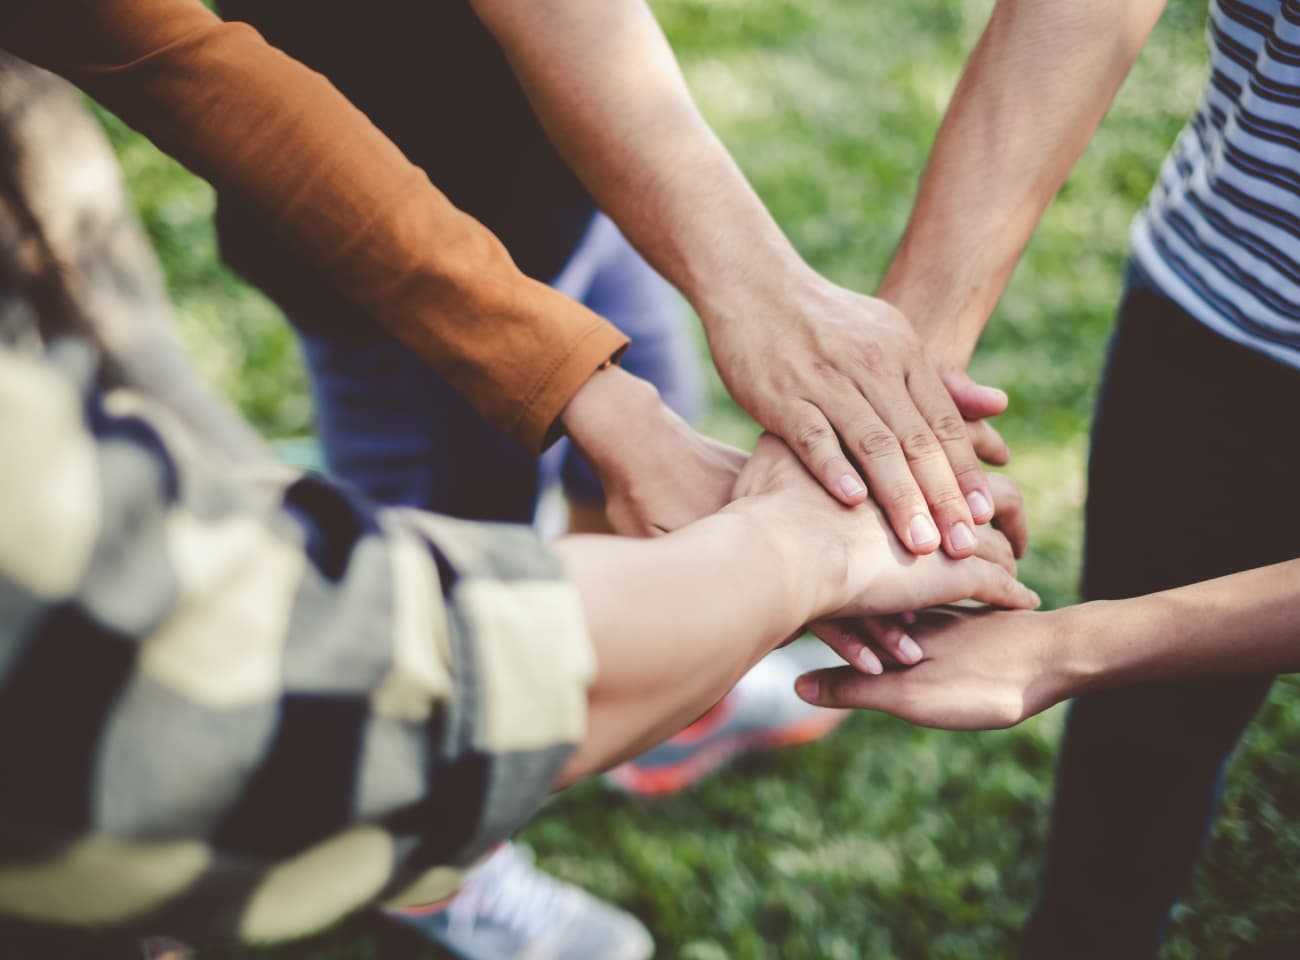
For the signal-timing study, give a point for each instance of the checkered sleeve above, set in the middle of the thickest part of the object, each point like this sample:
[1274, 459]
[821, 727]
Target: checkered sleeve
[242, 705]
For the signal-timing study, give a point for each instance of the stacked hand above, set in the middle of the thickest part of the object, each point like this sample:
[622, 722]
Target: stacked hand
[660, 475]
[853, 562]
[849, 386]
[981, 671]
[657, 473]
[870, 643]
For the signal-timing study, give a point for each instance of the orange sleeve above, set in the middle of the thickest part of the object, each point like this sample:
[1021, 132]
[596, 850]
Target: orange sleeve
[255, 122]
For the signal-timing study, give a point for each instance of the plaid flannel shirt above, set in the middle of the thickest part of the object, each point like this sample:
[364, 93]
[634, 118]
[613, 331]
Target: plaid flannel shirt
[246, 704]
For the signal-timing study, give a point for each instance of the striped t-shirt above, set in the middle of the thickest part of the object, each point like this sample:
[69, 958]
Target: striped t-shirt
[1220, 234]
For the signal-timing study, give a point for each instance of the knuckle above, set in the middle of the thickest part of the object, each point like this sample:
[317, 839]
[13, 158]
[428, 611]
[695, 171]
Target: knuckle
[920, 444]
[824, 370]
[949, 427]
[876, 443]
[872, 354]
[811, 435]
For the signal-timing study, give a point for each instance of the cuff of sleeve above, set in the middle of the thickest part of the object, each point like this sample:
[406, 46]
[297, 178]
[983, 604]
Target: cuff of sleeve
[521, 664]
[538, 425]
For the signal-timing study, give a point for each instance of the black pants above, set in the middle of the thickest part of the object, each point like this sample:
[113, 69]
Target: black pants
[1194, 473]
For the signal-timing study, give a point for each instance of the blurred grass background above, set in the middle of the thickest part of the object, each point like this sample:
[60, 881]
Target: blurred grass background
[885, 841]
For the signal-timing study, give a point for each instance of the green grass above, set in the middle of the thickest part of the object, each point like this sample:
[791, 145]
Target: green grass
[885, 841]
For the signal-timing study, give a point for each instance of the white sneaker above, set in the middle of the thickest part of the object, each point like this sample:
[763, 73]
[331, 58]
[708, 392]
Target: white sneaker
[510, 910]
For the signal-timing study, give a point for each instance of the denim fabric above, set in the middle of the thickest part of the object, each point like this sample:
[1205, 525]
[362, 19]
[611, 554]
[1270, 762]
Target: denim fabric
[396, 430]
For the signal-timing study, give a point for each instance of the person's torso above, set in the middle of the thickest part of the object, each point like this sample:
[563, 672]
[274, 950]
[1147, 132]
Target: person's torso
[429, 75]
[1220, 233]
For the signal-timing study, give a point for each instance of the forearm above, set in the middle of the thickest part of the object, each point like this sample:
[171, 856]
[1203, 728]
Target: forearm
[282, 140]
[675, 622]
[605, 83]
[1245, 623]
[1030, 98]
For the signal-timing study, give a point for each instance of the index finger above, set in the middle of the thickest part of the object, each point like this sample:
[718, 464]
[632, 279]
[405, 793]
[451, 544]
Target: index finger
[809, 434]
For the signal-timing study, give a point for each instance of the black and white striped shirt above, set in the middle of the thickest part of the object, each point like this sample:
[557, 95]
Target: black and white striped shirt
[1221, 230]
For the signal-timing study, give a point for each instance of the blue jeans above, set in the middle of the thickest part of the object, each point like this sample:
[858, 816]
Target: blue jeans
[402, 435]
[1191, 476]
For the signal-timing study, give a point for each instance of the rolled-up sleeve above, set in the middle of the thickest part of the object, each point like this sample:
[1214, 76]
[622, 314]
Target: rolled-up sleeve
[245, 704]
[280, 137]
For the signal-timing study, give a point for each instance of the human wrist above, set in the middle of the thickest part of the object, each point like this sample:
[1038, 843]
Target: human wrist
[804, 570]
[598, 417]
[1075, 648]
[770, 274]
[925, 297]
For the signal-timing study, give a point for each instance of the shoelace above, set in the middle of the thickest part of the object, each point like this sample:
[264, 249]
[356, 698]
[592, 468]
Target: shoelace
[510, 891]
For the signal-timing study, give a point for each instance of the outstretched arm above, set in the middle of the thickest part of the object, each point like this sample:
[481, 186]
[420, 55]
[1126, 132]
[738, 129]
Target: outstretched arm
[263, 127]
[827, 369]
[249, 674]
[1030, 98]
[277, 135]
[993, 670]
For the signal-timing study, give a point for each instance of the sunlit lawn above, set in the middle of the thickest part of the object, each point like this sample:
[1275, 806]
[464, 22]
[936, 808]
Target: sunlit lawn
[886, 841]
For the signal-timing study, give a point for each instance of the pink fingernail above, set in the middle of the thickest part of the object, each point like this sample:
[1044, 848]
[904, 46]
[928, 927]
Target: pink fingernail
[922, 531]
[961, 536]
[979, 505]
[851, 486]
[870, 662]
[909, 650]
[908, 618]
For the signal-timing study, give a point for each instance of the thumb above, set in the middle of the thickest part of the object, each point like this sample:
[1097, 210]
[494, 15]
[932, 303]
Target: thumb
[846, 688]
[992, 584]
[974, 400]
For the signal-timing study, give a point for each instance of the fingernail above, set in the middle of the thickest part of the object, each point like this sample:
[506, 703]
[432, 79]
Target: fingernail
[908, 617]
[922, 530]
[851, 486]
[961, 536]
[870, 662]
[979, 505]
[908, 650]
[808, 688]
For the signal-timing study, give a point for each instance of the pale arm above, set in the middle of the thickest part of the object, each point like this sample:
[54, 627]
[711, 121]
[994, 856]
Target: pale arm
[997, 669]
[657, 475]
[675, 622]
[1030, 98]
[812, 362]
